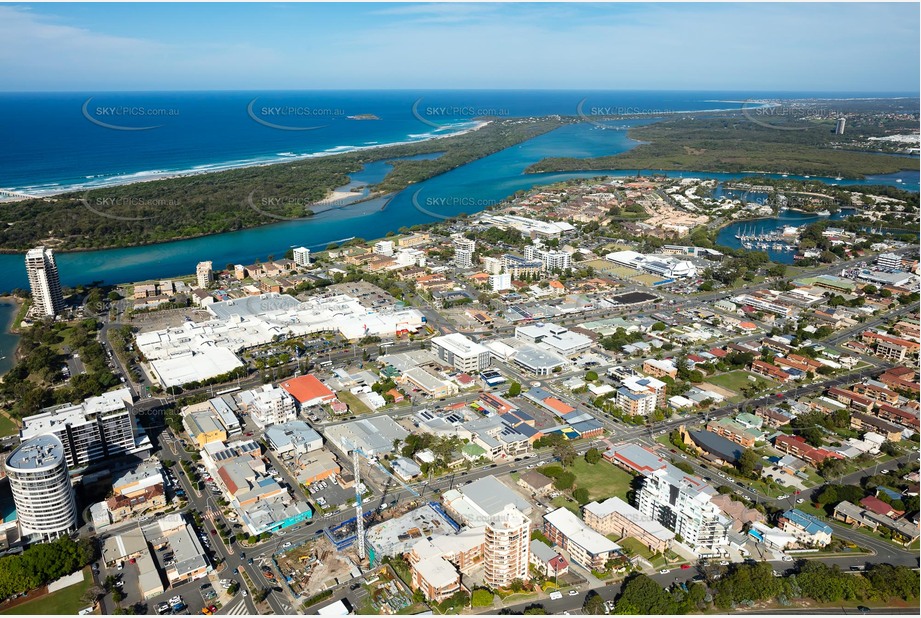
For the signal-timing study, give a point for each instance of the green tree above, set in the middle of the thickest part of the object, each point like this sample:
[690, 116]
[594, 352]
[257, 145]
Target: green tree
[580, 494]
[593, 604]
[748, 462]
[643, 595]
[592, 455]
[514, 389]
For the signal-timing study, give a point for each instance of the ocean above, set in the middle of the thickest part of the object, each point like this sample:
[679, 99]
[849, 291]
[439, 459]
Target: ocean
[84, 140]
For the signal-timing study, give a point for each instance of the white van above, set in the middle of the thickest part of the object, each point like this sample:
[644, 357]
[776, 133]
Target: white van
[556, 595]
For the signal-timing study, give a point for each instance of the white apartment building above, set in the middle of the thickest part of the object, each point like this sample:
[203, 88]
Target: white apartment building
[889, 260]
[463, 258]
[463, 252]
[507, 552]
[301, 256]
[383, 247]
[99, 428]
[551, 260]
[682, 503]
[497, 283]
[492, 265]
[42, 493]
[641, 395]
[205, 274]
[269, 406]
[410, 257]
[461, 353]
[42, 270]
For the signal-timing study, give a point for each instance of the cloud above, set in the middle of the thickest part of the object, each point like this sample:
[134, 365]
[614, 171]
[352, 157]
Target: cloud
[750, 46]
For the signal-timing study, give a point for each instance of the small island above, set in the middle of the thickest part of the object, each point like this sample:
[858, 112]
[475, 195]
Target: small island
[364, 117]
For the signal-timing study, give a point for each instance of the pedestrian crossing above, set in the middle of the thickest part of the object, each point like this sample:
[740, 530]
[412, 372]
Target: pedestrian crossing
[239, 609]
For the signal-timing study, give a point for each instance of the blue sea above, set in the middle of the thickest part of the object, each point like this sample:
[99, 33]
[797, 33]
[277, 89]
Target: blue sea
[70, 141]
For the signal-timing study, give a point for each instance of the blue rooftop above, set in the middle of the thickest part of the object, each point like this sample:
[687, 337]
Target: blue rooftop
[807, 522]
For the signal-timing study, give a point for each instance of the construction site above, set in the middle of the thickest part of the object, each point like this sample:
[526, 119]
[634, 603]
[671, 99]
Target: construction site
[387, 594]
[315, 565]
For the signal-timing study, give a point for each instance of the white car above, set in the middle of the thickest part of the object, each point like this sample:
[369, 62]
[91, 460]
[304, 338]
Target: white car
[664, 571]
[287, 544]
[724, 563]
[784, 497]
[174, 600]
[787, 559]
[245, 594]
[800, 501]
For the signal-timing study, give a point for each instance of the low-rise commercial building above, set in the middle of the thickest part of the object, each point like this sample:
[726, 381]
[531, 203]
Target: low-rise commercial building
[460, 352]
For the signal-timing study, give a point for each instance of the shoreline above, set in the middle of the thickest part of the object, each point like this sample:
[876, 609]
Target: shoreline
[123, 181]
[12, 328]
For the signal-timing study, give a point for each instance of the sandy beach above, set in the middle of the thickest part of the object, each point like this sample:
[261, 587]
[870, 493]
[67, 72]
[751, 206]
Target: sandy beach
[119, 181]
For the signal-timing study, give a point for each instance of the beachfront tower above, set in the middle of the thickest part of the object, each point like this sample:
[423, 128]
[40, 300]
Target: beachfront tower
[44, 497]
[47, 298]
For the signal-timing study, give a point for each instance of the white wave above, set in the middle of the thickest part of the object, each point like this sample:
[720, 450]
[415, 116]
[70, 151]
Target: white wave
[113, 179]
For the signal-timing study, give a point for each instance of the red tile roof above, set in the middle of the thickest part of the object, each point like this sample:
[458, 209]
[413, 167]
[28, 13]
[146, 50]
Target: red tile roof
[872, 503]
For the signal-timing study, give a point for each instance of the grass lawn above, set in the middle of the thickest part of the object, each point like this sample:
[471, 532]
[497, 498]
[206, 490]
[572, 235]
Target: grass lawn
[66, 601]
[356, 406]
[602, 480]
[633, 545]
[735, 380]
[641, 550]
[567, 502]
[7, 427]
[807, 507]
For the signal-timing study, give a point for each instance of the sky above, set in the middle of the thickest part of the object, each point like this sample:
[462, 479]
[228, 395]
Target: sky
[847, 47]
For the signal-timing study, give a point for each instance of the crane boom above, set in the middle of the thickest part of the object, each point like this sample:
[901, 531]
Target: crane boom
[360, 518]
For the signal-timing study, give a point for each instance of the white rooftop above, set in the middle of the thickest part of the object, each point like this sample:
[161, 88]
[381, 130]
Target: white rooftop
[616, 505]
[577, 532]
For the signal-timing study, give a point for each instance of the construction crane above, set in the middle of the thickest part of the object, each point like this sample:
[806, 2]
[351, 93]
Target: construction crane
[358, 453]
